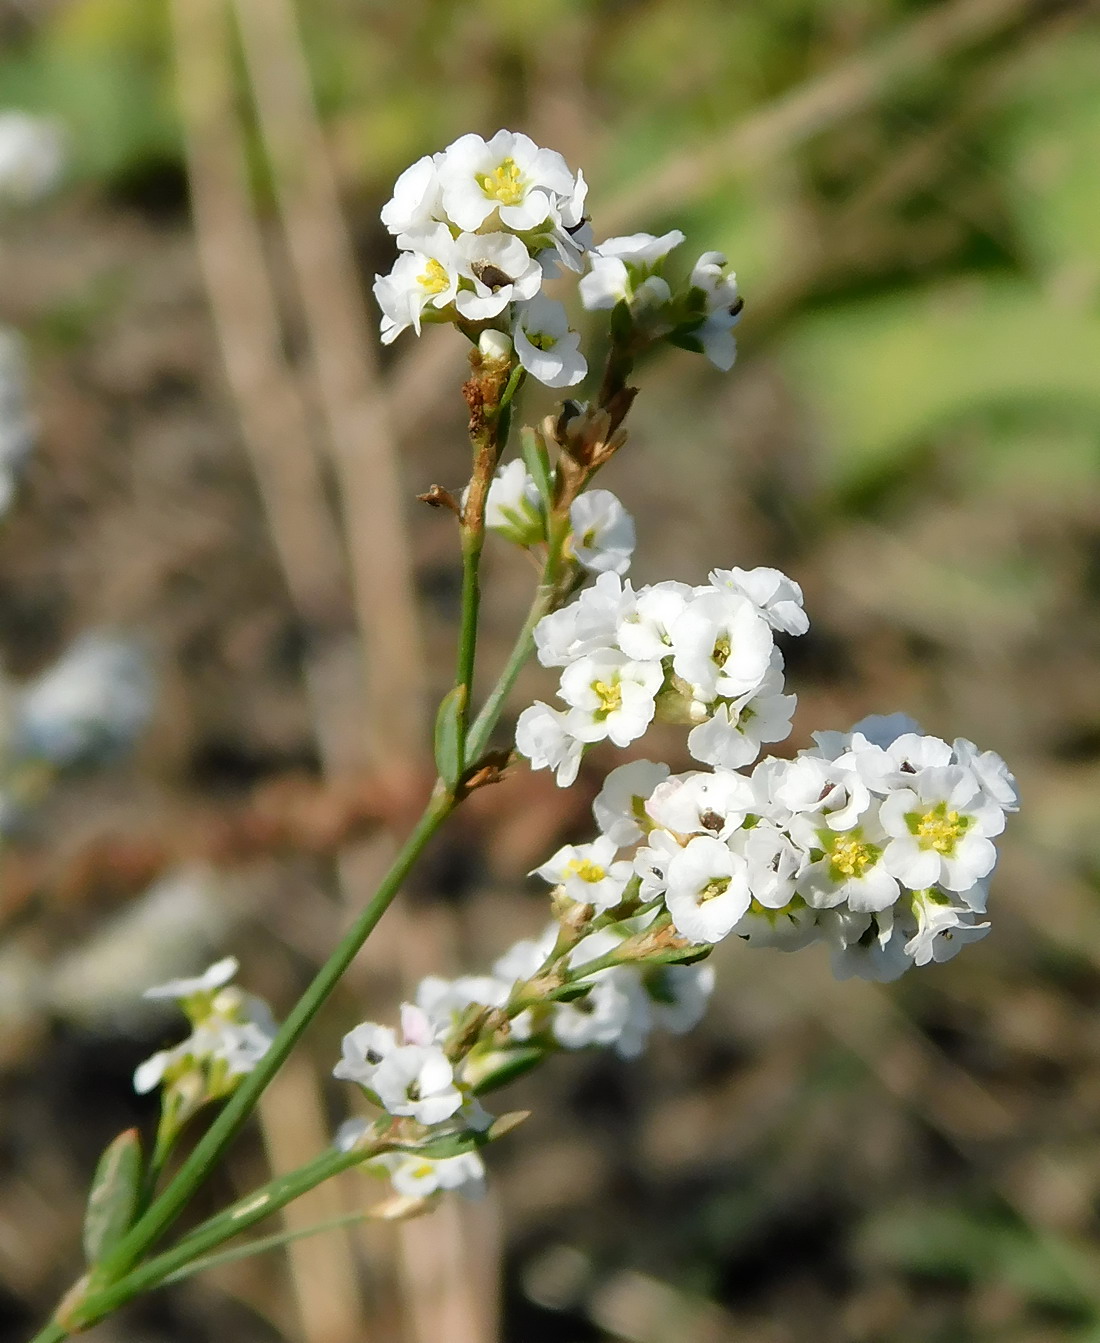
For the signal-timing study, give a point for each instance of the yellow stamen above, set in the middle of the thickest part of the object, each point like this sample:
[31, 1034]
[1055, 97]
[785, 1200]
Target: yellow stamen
[722, 648]
[851, 858]
[939, 829]
[585, 869]
[434, 280]
[609, 694]
[505, 183]
[714, 888]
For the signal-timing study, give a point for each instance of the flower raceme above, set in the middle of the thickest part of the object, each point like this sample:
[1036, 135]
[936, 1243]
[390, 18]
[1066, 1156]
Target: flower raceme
[483, 224]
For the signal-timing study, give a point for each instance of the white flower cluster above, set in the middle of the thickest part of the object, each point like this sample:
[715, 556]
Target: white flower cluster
[482, 224]
[877, 842]
[231, 1032]
[412, 1075]
[700, 656]
[603, 531]
[17, 426]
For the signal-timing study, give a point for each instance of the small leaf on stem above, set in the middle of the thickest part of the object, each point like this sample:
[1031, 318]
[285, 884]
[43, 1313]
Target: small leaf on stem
[113, 1201]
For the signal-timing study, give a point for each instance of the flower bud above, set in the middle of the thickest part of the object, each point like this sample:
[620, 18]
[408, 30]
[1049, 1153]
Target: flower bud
[495, 346]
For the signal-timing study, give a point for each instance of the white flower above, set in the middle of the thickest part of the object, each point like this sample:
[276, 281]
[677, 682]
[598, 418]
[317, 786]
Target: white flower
[941, 830]
[678, 995]
[602, 1015]
[790, 928]
[943, 928]
[525, 958]
[644, 631]
[32, 157]
[440, 1003]
[543, 737]
[221, 1049]
[423, 277]
[363, 1050]
[884, 729]
[834, 793]
[588, 872]
[499, 270]
[417, 1176]
[513, 506]
[774, 862]
[722, 646]
[708, 889]
[878, 952]
[994, 778]
[619, 807]
[651, 863]
[546, 347]
[213, 978]
[417, 1080]
[416, 198]
[733, 735]
[713, 802]
[777, 597]
[586, 624]
[610, 696]
[603, 532]
[722, 311]
[509, 174]
[851, 870]
[621, 266]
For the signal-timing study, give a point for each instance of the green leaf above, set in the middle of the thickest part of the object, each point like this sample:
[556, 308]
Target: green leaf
[537, 461]
[113, 1201]
[450, 732]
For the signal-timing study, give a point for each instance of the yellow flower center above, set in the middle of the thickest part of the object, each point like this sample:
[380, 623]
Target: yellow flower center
[585, 869]
[850, 857]
[505, 183]
[717, 886]
[541, 341]
[434, 279]
[721, 650]
[938, 829]
[609, 694]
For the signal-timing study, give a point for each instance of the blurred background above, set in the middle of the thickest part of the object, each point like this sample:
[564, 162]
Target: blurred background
[223, 619]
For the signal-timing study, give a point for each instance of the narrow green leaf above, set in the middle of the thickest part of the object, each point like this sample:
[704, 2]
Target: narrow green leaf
[537, 461]
[450, 727]
[113, 1201]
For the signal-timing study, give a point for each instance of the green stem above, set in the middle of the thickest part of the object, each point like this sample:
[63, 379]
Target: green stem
[195, 1169]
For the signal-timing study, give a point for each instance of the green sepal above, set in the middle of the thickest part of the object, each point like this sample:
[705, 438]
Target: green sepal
[515, 1063]
[537, 461]
[113, 1200]
[450, 731]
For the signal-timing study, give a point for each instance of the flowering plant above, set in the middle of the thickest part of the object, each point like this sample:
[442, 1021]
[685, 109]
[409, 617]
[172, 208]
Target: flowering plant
[877, 842]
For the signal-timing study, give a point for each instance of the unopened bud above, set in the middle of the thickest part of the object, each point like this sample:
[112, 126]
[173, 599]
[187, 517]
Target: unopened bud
[496, 346]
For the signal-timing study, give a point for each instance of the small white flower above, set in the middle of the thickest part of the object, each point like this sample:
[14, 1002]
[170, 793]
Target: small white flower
[851, 870]
[499, 270]
[644, 632]
[790, 928]
[509, 174]
[440, 1003]
[525, 958]
[775, 864]
[619, 807]
[545, 345]
[713, 802]
[586, 624]
[678, 995]
[416, 198]
[941, 830]
[543, 737]
[602, 1015]
[777, 597]
[417, 1080]
[363, 1050]
[732, 737]
[708, 890]
[424, 277]
[994, 777]
[722, 645]
[943, 928]
[722, 312]
[832, 793]
[621, 266]
[609, 696]
[416, 1176]
[877, 953]
[589, 873]
[513, 506]
[603, 532]
[651, 863]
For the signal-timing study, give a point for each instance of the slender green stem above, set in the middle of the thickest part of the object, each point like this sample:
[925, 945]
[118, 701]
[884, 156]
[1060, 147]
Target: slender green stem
[195, 1169]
